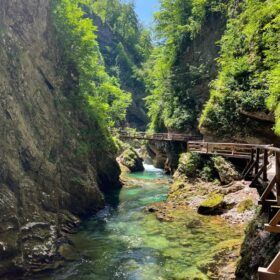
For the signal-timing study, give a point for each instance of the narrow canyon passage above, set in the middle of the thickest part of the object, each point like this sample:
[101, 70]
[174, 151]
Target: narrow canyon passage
[128, 242]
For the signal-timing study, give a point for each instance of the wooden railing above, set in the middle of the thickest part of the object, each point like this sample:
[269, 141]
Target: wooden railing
[271, 199]
[224, 149]
[157, 136]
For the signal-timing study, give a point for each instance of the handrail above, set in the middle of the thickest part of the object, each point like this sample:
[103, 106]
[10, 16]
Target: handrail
[157, 136]
[235, 144]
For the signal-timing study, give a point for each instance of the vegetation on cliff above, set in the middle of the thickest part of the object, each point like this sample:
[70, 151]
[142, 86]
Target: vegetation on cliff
[171, 102]
[125, 44]
[130, 160]
[244, 91]
[249, 72]
[97, 93]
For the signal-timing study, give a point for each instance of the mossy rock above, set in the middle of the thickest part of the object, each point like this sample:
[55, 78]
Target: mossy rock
[190, 164]
[245, 205]
[213, 205]
[130, 159]
[226, 170]
[220, 255]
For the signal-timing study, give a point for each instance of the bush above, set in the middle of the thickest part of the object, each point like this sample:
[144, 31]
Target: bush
[190, 164]
[207, 173]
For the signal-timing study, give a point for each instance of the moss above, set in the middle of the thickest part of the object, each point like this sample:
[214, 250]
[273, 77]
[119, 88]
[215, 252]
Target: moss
[228, 245]
[245, 205]
[212, 200]
[130, 159]
[226, 170]
[213, 205]
[190, 164]
[129, 156]
[83, 149]
[224, 253]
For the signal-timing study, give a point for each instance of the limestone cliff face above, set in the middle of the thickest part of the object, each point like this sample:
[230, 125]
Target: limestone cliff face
[109, 44]
[46, 181]
[166, 154]
[200, 54]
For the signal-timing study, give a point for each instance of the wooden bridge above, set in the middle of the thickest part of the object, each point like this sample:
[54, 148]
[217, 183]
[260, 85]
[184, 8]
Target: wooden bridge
[123, 134]
[263, 168]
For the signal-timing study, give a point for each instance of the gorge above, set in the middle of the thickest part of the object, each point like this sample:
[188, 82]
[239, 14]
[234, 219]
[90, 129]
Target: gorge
[74, 200]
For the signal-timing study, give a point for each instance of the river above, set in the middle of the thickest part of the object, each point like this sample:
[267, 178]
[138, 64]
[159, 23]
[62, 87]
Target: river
[124, 241]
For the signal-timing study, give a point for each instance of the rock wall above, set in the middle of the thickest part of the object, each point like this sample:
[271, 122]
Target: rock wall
[166, 154]
[200, 54]
[258, 250]
[47, 182]
[109, 46]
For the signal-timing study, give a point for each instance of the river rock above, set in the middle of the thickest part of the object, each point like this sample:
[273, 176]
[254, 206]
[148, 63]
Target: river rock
[131, 160]
[227, 172]
[213, 205]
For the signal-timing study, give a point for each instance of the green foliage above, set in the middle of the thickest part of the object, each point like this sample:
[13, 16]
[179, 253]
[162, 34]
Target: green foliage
[129, 48]
[249, 73]
[190, 164]
[98, 94]
[171, 103]
[207, 173]
[131, 160]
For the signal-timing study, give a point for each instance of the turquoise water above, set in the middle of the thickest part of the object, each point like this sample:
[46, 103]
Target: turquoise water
[126, 242]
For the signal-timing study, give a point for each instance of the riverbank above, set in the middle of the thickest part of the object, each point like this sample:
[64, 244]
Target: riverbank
[211, 187]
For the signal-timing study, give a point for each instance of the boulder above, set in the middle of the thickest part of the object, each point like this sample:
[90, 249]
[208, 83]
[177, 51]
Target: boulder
[131, 160]
[227, 172]
[213, 205]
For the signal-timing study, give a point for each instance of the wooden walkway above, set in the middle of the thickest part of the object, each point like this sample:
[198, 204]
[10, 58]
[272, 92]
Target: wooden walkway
[123, 134]
[263, 167]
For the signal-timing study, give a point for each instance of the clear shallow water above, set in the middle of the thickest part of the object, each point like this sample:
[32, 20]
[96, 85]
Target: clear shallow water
[127, 243]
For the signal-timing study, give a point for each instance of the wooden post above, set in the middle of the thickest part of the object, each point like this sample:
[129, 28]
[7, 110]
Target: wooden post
[257, 161]
[277, 166]
[265, 163]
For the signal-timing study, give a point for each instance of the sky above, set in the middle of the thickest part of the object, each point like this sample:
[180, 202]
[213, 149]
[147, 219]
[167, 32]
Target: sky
[145, 10]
